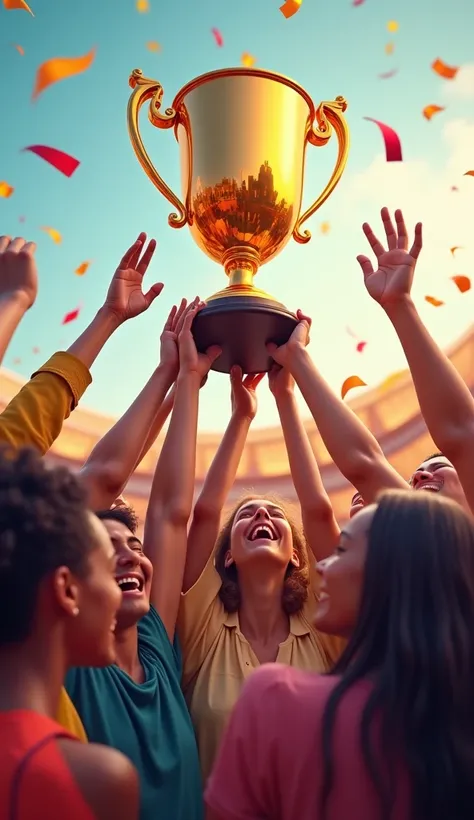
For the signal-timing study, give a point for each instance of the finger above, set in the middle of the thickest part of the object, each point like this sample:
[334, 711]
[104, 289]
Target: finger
[182, 307]
[418, 241]
[303, 318]
[389, 228]
[213, 353]
[4, 242]
[366, 265]
[147, 257]
[133, 249]
[191, 308]
[375, 243]
[256, 379]
[402, 241]
[271, 347]
[16, 245]
[29, 247]
[170, 319]
[204, 380]
[188, 319]
[154, 291]
[236, 373]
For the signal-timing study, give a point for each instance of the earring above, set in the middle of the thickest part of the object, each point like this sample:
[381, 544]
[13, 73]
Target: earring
[75, 611]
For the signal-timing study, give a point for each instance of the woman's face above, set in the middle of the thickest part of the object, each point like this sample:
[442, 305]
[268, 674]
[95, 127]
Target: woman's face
[342, 576]
[261, 531]
[90, 634]
[437, 475]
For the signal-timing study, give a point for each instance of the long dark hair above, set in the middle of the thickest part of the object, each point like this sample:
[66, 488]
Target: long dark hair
[414, 638]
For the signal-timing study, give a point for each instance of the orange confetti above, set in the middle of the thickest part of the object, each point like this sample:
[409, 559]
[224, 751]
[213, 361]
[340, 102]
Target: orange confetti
[433, 301]
[247, 60]
[20, 49]
[469, 174]
[290, 7]
[82, 269]
[152, 45]
[6, 190]
[325, 227]
[350, 383]
[447, 71]
[454, 249]
[392, 26]
[430, 110]
[60, 68]
[54, 234]
[463, 283]
[389, 48]
[143, 6]
[17, 4]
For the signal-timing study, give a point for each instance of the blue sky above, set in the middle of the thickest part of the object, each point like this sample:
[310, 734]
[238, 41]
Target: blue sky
[330, 48]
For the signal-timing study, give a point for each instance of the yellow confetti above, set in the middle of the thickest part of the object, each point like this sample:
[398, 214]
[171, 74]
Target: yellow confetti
[143, 6]
[6, 190]
[82, 269]
[389, 48]
[430, 110]
[247, 60]
[290, 7]
[325, 227]
[454, 249]
[350, 383]
[54, 234]
[392, 26]
[59, 68]
[17, 4]
[152, 45]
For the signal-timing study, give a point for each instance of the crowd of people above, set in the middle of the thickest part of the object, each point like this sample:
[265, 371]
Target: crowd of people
[247, 668]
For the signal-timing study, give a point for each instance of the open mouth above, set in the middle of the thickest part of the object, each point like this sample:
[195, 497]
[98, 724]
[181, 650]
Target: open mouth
[264, 531]
[430, 486]
[130, 583]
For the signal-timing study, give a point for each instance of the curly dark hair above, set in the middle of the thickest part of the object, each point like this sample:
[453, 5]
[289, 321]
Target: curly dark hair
[123, 514]
[44, 524]
[295, 588]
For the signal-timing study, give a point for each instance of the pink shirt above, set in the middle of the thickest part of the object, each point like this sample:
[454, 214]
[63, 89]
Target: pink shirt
[270, 763]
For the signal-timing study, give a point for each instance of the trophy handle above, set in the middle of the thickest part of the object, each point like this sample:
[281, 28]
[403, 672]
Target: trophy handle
[329, 115]
[143, 90]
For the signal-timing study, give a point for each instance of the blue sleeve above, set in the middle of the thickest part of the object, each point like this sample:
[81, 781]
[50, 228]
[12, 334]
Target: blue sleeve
[152, 635]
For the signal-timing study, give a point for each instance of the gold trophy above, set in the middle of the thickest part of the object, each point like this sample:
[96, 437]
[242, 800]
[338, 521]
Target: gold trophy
[242, 134]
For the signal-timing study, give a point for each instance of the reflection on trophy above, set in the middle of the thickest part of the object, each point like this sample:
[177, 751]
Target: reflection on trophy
[242, 135]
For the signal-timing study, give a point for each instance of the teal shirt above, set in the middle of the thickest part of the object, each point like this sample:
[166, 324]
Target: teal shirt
[148, 722]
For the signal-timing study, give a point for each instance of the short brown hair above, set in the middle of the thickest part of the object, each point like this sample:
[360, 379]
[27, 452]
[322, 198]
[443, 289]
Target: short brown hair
[295, 588]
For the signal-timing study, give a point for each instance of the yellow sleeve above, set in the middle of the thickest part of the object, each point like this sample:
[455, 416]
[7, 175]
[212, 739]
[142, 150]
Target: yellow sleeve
[201, 615]
[68, 718]
[35, 416]
[333, 645]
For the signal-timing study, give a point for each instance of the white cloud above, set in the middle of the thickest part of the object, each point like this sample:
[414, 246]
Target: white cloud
[462, 87]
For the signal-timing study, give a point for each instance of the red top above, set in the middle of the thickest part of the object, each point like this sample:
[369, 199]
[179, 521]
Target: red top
[35, 780]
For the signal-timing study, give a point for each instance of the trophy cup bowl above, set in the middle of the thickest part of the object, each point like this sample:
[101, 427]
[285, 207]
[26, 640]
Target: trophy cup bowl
[242, 134]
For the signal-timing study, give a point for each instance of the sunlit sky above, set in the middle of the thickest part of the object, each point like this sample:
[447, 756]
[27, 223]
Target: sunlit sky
[330, 48]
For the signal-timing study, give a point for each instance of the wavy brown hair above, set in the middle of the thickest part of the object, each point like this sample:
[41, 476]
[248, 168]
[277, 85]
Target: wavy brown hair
[295, 587]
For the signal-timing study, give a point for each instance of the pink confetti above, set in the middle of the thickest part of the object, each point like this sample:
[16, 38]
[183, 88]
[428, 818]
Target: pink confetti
[36, 350]
[58, 159]
[360, 347]
[70, 317]
[385, 75]
[217, 37]
[357, 2]
[393, 146]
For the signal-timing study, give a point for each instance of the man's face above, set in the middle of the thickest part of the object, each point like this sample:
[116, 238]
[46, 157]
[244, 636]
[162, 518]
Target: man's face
[133, 574]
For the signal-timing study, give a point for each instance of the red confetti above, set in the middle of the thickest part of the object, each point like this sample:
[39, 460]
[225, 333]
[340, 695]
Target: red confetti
[387, 74]
[393, 147]
[58, 159]
[70, 317]
[360, 347]
[217, 37]
[357, 2]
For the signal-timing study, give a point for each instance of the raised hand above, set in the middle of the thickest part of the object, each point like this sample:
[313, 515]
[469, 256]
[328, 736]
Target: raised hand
[243, 392]
[18, 273]
[169, 353]
[280, 380]
[189, 358]
[392, 280]
[125, 297]
[298, 340]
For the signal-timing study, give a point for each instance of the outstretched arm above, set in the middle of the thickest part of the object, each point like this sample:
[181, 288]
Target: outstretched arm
[172, 490]
[220, 477]
[319, 523]
[352, 447]
[18, 285]
[446, 402]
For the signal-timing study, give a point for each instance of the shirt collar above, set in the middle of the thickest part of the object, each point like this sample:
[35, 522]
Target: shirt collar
[298, 625]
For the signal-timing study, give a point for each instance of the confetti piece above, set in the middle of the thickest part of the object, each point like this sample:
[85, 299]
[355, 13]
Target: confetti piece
[21, 219]
[325, 227]
[393, 148]
[217, 37]
[454, 188]
[433, 301]
[60, 68]
[360, 347]
[385, 75]
[17, 361]
[469, 174]
[152, 45]
[447, 71]
[247, 60]
[454, 249]
[290, 7]
[463, 283]
[20, 49]
[71, 316]
[430, 110]
[54, 234]
[82, 269]
[357, 2]
[6, 190]
[389, 48]
[350, 383]
[392, 26]
[143, 6]
[58, 159]
[36, 350]
[17, 4]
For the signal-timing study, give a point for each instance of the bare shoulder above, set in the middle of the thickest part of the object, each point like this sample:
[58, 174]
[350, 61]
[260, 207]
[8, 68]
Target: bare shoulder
[107, 780]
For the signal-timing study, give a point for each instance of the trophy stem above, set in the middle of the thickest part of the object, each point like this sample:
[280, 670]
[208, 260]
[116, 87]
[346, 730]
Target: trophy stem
[241, 264]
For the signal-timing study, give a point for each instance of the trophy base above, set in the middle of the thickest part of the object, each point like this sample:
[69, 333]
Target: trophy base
[242, 326]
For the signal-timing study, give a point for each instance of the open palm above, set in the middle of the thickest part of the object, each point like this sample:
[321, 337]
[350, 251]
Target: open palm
[392, 280]
[125, 297]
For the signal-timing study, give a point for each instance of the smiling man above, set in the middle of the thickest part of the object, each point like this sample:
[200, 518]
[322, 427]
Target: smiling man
[436, 474]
